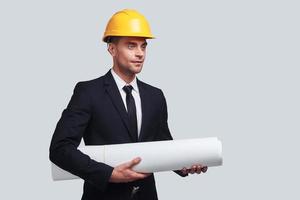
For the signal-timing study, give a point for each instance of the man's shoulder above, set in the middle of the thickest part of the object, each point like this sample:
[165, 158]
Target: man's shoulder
[91, 81]
[94, 82]
[149, 88]
[90, 85]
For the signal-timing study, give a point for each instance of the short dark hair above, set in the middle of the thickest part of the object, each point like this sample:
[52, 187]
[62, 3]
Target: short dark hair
[112, 39]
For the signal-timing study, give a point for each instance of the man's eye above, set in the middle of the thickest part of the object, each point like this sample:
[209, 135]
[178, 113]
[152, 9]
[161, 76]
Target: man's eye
[130, 46]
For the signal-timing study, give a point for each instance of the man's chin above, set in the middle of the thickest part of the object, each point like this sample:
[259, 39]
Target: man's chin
[136, 69]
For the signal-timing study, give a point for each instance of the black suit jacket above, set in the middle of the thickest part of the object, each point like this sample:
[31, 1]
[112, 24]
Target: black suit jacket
[97, 114]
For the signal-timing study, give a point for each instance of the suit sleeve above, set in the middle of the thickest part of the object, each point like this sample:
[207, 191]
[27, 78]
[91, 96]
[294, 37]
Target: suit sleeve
[67, 136]
[164, 132]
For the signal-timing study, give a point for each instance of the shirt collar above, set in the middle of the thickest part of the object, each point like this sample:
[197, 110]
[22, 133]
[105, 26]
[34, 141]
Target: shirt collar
[121, 83]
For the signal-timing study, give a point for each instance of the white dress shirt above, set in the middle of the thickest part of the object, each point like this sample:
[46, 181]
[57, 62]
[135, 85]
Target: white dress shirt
[135, 93]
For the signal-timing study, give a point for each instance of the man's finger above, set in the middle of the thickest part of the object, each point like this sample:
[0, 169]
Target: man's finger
[133, 162]
[135, 175]
[198, 170]
[184, 171]
[193, 169]
[146, 174]
[204, 169]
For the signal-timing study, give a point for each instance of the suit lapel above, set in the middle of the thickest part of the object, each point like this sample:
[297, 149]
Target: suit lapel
[145, 111]
[115, 96]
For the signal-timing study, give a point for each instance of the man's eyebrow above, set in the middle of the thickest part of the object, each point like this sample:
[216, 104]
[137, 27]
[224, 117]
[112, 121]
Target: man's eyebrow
[135, 43]
[132, 43]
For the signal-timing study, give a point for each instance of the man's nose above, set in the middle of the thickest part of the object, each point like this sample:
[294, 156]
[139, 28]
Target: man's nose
[139, 53]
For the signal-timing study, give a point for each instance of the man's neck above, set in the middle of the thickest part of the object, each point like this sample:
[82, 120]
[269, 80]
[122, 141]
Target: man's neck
[128, 78]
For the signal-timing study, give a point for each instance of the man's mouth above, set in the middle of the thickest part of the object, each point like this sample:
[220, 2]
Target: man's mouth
[137, 62]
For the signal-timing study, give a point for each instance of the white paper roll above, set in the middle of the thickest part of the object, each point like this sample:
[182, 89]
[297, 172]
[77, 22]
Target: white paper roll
[156, 156]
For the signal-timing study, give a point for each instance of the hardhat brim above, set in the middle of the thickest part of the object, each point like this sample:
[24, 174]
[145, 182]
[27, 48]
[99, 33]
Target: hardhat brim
[105, 38]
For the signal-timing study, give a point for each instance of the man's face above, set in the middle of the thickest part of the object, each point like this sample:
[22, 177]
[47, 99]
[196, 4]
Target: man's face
[129, 54]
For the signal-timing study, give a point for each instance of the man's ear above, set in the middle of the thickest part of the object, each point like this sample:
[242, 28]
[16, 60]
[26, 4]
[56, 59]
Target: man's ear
[111, 48]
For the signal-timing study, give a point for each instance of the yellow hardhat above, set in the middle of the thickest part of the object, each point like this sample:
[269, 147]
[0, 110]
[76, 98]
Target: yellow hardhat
[127, 23]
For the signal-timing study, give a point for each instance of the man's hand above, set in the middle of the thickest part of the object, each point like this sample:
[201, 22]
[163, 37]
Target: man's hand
[123, 173]
[194, 169]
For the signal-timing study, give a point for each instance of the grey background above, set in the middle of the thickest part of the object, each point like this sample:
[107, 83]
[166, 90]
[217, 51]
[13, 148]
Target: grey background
[228, 69]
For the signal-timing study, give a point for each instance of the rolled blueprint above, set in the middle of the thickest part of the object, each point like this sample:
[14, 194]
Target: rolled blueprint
[155, 156]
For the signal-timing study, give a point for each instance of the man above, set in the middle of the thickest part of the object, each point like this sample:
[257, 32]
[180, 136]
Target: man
[113, 109]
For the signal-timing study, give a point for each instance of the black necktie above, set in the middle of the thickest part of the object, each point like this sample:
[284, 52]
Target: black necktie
[131, 110]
